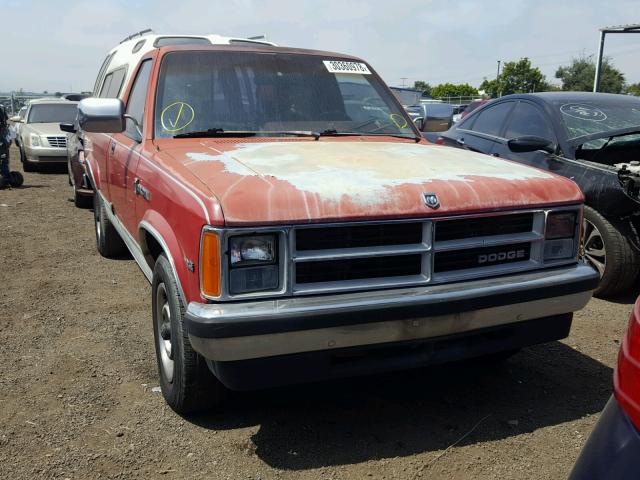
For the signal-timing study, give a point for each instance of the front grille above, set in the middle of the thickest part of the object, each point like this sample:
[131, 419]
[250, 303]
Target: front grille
[58, 141]
[373, 235]
[347, 257]
[358, 269]
[46, 158]
[483, 226]
[481, 257]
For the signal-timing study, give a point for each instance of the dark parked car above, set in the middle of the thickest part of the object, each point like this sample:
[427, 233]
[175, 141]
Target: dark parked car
[592, 138]
[613, 446]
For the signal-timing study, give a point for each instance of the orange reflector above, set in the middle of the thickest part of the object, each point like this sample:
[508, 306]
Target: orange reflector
[210, 265]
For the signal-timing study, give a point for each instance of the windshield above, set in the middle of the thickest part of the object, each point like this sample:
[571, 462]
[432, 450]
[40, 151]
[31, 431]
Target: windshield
[53, 113]
[583, 119]
[262, 93]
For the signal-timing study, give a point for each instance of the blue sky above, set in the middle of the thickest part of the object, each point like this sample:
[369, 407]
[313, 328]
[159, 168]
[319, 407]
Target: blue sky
[60, 45]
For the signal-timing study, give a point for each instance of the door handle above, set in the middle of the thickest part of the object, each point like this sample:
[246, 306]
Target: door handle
[113, 146]
[460, 141]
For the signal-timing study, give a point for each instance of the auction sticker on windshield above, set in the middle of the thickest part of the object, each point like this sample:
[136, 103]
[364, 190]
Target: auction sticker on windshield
[583, 112]
[338, 66]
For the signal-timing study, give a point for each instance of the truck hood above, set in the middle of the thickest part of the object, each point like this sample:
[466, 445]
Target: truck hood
[312, 181]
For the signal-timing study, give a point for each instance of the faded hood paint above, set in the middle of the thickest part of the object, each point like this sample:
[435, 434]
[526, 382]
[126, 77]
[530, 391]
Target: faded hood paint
[313, 181]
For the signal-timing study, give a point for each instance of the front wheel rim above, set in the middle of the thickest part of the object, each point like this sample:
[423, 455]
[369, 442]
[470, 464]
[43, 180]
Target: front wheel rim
[164, 333]
[594, 247]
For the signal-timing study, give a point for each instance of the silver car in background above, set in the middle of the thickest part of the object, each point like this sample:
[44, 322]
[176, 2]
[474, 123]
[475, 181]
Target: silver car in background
[40, 140]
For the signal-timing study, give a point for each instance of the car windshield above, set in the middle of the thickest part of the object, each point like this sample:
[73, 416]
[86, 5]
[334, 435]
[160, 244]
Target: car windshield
[53, 113]
[590, 118]
[267, 93]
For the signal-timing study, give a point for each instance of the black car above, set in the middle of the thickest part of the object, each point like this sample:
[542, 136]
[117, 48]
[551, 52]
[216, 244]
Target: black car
[591, 138]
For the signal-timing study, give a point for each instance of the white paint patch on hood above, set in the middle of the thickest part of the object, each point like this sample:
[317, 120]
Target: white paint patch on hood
[363, 171]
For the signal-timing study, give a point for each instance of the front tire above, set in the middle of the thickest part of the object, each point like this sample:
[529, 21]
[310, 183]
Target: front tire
[108, 240]
[609, 251]
[27, 166]
[186, 383]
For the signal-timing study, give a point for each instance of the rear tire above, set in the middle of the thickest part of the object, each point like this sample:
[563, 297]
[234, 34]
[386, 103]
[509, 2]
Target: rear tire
[185, 380]
[16, 179]
[108, 240]
[80, 200]
[608, 250]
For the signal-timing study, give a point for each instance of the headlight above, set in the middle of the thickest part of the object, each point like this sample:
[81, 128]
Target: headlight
[560, 234]
[34, 140]
[254, 250]
[253, 263]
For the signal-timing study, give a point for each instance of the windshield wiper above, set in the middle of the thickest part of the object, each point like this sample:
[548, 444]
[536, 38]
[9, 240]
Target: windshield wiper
[220, 132]
[332, 132]
[216, 132]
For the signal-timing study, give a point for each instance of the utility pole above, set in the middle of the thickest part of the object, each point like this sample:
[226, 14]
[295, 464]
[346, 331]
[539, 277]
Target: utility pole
[404, 79]
[497, 78]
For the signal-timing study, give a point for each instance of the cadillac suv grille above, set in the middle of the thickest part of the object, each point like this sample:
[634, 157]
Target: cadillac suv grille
[57, 142]
[343, 257]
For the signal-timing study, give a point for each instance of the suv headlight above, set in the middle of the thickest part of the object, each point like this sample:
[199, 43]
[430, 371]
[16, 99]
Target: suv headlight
[34, 140]
[253, 263]
[560, 241]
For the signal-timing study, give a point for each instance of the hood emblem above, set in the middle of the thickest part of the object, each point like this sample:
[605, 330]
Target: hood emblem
[431, 200]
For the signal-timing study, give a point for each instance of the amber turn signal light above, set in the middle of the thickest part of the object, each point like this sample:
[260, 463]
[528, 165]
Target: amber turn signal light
[210, 265]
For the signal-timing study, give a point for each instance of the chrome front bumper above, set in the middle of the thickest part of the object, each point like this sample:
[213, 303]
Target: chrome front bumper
[33, 154]
[266, 328]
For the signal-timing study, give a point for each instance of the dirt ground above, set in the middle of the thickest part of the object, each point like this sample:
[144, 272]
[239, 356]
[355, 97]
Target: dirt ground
[77, 378]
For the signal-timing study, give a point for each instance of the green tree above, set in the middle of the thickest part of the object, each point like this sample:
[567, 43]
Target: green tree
[634, 89]
[521, 77]
[424, 87]
[516, 77]
[453, 90]
[490, 88]
[579, 74]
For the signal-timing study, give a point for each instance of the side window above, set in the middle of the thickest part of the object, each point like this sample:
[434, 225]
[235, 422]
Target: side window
[527, 119]
[116, 82]
[106, 85]
[113, 83]
[103, 68]
[136, 102]
[490, 120]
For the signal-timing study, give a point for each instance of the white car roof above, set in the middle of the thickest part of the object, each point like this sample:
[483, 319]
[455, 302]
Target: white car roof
[130, 51]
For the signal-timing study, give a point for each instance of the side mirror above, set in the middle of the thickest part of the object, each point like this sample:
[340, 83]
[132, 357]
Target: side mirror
[15, 119]
[68, 127]
[101, 115]
[530, 144]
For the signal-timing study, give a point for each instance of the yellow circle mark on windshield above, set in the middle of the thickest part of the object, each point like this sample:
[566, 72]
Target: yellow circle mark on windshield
[177, 116]
[399, 120]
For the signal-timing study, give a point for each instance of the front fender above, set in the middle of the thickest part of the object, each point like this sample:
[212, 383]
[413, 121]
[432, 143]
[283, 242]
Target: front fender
[155, 225]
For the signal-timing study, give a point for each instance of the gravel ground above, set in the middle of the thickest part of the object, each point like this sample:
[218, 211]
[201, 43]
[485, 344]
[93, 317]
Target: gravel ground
[78, 378]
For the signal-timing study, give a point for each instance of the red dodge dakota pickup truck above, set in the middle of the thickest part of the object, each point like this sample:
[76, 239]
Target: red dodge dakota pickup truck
[294, 225]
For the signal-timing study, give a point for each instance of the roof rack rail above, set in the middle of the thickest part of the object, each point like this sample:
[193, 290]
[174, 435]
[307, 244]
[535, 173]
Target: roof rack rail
[137, 34]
